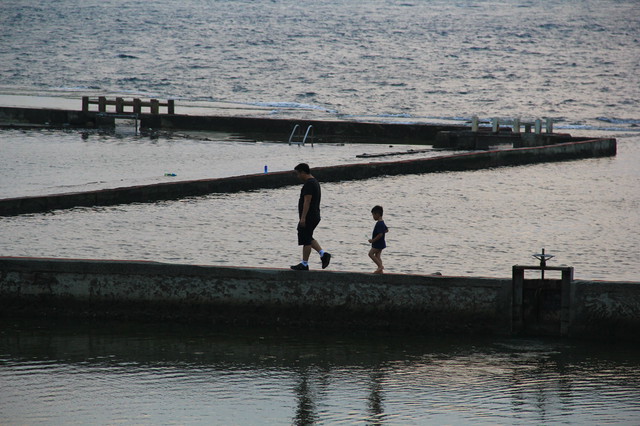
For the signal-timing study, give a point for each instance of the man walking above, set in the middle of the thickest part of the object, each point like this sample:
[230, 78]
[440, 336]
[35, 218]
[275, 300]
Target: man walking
[309, 214]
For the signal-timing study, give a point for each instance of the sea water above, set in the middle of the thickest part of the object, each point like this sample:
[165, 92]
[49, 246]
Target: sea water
[402, 61]
[575, 62]
[106, 373]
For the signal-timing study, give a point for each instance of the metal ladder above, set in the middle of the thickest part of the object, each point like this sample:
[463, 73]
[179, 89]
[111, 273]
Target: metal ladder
[308, 134]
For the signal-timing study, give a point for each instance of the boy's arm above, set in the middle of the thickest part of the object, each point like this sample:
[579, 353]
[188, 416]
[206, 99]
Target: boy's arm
[373, 240]
[379, 235]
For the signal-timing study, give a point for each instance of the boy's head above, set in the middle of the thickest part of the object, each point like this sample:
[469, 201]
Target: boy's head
[377, 212]
[302, 170]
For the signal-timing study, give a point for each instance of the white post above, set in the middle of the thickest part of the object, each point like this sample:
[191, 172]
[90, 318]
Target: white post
[538, 126]
[549, 125]
[495, 123]
[474, 123]
[516, 126]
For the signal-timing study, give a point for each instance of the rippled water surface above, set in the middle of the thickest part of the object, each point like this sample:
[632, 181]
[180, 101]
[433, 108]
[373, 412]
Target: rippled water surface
[482, 222]
[106, 373]
[45, 162]
[573, 61]
[410, 61]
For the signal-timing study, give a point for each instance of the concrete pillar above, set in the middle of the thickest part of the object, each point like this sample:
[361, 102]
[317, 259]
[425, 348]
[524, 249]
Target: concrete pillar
[495, 125]
[549, 125]
[474, 123]
[155, 106]
[517, 285]
[516, 126]
[565, 301]
[102, 104]
[538, 126]
[85, 104]
[171, 107]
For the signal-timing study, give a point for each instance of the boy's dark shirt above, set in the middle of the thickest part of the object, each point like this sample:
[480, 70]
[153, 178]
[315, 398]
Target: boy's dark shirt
[310, 187]
[380, 228]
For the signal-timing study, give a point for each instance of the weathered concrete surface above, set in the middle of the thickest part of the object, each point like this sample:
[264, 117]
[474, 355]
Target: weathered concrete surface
[325, 131]
[469, 140]
[43, 116]
[149, 290]
[252, 296]
[605, 308]
[175, 190]
[250, 127]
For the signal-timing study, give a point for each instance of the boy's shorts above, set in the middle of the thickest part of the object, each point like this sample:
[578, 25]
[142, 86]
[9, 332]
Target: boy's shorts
[305, 234]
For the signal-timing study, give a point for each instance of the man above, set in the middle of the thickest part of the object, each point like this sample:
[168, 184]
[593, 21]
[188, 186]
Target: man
[309, 214]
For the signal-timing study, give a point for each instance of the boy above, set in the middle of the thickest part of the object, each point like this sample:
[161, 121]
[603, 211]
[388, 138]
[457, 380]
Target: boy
[377, 240]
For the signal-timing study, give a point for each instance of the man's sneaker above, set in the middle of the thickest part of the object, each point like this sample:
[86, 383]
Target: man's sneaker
[300, 267]
[326, 258]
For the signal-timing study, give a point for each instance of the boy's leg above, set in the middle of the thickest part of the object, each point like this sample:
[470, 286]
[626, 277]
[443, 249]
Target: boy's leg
[374, 254]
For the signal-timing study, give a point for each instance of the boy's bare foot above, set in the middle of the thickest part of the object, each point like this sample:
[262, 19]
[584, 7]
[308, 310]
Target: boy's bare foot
[378, 271]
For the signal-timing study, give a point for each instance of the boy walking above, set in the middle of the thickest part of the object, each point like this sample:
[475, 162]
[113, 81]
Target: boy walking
[377, 241]
[309, 214]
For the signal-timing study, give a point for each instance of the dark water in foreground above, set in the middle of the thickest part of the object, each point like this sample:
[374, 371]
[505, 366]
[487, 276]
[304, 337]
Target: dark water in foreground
[105, 373]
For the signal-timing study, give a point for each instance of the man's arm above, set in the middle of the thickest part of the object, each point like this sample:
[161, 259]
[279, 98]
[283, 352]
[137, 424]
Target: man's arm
[305, 209]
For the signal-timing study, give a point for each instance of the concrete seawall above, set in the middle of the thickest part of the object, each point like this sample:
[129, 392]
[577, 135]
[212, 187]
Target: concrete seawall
[250, 127]
[175, 190]
[149, 290]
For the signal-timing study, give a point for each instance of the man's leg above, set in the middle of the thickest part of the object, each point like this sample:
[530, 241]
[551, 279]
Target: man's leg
[304, 239]
[324, 256]
[306, 251]
[314, 245]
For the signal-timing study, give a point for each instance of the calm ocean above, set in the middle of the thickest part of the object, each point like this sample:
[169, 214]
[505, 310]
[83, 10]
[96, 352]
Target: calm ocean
[577, 62]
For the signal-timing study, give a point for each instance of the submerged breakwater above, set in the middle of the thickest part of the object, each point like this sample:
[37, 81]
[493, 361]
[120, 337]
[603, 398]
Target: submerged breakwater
[259, 128]
[174, 190]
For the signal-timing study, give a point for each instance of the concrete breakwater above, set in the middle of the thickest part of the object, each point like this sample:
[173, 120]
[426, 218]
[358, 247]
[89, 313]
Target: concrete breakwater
[249, 127]
[576, 149]
[222, 295]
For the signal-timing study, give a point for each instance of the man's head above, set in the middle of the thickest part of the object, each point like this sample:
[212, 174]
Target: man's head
[303, 171]
[377, 212]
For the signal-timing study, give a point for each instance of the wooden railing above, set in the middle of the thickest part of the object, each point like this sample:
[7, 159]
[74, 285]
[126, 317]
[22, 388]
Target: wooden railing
[122, 106]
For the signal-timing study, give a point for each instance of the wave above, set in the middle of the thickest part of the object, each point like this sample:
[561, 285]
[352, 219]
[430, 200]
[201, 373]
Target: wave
[291, 105]
[76, 88]
[594, 128]
[619, 120]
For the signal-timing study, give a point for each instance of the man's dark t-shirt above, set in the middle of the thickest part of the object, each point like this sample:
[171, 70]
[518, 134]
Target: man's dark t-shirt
[310, 187]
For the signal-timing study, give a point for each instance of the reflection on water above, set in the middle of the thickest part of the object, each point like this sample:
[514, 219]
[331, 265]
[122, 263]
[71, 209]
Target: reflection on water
[161, 373]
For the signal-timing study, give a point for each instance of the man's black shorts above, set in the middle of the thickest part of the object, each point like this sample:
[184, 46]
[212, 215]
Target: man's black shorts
[305, 234]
